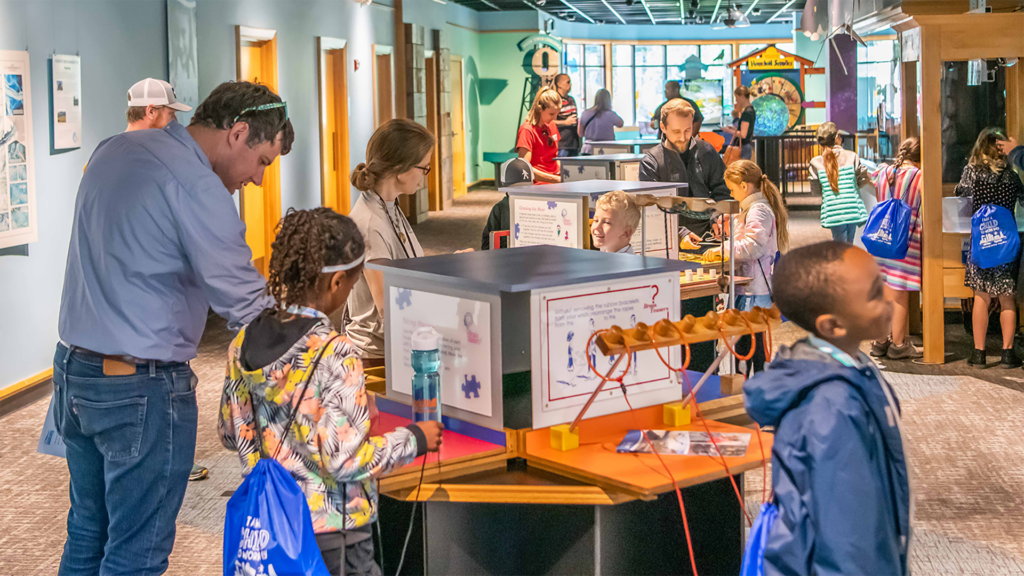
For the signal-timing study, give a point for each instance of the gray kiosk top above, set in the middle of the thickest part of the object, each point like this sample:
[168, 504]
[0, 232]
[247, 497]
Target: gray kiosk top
[605, 158]
[633, 142]
[591, 187]
[529, 268]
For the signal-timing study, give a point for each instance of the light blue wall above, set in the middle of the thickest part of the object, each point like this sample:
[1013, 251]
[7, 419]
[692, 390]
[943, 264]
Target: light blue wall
[120, 42]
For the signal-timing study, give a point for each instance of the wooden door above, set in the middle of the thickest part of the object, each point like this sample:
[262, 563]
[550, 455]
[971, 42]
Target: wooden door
[458, 130]
[334, 149]
[384, 103]
[434, 178]
[260, 206]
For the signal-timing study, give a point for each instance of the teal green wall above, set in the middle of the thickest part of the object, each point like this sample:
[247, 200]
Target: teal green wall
[502, 90]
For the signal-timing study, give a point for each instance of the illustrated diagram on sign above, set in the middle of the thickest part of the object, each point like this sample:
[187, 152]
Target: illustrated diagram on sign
[570, 353]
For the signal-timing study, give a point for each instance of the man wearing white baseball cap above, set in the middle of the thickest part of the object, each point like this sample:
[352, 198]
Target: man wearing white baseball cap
[152, 104]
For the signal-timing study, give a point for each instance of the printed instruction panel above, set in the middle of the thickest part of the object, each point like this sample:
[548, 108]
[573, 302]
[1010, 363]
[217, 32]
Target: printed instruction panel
[465, 329]
[562, 322]
[544, 222]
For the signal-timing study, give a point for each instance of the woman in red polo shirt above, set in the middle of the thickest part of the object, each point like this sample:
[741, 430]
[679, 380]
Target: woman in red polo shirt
[537, 141]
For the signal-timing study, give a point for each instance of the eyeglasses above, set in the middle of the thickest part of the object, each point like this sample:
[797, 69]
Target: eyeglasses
[262, 107]
[426, 169]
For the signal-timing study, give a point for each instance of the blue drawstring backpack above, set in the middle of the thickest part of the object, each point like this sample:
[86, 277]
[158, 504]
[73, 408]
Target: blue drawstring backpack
[994, 237]
[268, 530]
[753, 556]
[887, 231]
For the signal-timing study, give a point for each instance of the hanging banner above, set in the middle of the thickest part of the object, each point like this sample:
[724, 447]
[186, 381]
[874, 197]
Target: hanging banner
[17, 159]
[67, 102]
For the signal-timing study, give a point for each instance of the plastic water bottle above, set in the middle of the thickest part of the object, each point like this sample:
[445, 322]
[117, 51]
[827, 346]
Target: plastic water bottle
[426, 382]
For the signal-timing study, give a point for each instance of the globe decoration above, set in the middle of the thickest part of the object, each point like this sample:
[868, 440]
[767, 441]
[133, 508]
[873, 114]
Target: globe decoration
[772, 115]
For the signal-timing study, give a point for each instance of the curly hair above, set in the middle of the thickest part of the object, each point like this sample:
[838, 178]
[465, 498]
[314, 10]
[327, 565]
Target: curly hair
[910, 150]
[308, 240]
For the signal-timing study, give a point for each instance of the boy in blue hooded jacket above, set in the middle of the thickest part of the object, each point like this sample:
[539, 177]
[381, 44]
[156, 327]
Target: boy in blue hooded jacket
[839, 469]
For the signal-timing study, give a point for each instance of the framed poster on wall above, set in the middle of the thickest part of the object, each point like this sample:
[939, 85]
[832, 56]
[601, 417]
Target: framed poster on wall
[17, 157]
[67, 102]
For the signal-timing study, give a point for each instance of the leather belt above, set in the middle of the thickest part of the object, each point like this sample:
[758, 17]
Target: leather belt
[119, 364]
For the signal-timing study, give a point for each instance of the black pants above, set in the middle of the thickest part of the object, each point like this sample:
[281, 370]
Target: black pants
[344, 559]
[756, 362]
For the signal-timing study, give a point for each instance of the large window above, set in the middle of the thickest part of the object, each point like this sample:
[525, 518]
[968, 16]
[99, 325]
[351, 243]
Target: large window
[877, 79]
[584, 63]
[639, 73]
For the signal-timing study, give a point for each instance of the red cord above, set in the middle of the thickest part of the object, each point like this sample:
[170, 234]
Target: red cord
[753, 343]
[606, 377]
[675, 486]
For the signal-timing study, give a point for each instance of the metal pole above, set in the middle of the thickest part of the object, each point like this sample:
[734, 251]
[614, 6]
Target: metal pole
[643, 231]
[732, 282]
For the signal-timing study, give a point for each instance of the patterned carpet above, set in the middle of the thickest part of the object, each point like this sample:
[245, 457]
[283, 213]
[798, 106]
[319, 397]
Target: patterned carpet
[963, 434]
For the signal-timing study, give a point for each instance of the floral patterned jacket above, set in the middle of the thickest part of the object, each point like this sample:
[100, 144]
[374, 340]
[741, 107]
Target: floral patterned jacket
[328, 451]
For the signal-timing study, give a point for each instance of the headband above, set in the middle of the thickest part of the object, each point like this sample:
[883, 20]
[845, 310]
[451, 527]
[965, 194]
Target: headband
[343, 267]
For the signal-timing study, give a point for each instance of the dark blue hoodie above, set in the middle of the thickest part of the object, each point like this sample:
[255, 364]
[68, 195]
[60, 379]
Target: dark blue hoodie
[839, 473]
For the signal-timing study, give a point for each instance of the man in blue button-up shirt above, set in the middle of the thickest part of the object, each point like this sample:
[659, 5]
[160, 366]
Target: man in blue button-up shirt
[156, 242]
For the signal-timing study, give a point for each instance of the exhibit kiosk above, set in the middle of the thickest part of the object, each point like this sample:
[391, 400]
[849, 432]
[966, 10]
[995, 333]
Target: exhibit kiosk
[559, 215]
[601, 167]
[634, 146]
[513, 489]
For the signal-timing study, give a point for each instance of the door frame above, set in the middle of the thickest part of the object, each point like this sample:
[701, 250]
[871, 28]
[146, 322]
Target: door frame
[382, 50]
[343, 201]
[271, 202]
[462, 128]
[431, 73]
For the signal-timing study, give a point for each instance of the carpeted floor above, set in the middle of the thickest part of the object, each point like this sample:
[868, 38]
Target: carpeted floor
[963, 429]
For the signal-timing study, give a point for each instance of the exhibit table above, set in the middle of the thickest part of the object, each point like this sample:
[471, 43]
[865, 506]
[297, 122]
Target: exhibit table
[634, 146]
[516, 326]
[601, 167]
[559, 214]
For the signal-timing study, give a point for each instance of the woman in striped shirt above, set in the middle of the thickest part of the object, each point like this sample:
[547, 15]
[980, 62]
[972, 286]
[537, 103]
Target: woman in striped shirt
[901, 180]
[837, 175]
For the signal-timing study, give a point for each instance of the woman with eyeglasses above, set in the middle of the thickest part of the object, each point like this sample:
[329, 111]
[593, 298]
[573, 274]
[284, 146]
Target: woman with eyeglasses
[397, 160]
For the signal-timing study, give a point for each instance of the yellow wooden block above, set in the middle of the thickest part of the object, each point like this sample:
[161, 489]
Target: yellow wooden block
[676, 414]
[562, 439]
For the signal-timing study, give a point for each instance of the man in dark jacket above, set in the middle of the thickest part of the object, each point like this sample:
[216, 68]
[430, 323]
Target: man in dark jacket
[839, 468]
[682, 158]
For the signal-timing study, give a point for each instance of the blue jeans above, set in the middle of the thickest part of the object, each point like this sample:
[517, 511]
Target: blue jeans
[746, 302]
[567, 152]
[747, 151]
[845, 233]
[130, 443]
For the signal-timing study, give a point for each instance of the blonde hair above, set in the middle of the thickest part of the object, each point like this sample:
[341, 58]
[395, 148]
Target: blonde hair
[986, 152]
[747, 172]
[623, 203]
[827, 134]
[676, 106]
[395, 147]
[546, 98]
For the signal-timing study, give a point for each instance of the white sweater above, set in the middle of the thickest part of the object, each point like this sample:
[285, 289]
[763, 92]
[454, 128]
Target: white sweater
[756, 241]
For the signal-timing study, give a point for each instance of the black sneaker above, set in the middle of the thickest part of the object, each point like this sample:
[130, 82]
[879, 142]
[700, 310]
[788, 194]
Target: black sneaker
[1009, 359]
[978, 359]
[198, 473]
[879, 349]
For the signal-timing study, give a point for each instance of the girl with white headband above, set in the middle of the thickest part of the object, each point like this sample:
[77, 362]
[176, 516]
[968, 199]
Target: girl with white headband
[273, 372]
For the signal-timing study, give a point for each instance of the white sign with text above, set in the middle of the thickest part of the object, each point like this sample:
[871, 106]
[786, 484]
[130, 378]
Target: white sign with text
[562, 322]
[465, 329]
